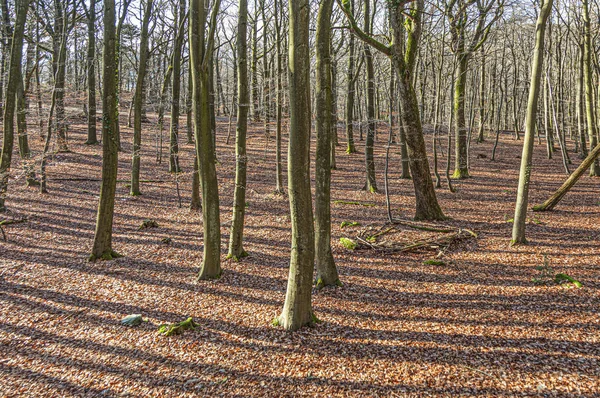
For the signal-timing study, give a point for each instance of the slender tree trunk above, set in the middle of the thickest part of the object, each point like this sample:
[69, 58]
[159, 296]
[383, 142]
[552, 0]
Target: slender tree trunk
[327, 274]
[110, 148]
[138, 101]
[236, 238]
[350, 88]
[518, 234]
[371, 183]
[589, 88]
[92, 138]
[174, 133]
[279, 100]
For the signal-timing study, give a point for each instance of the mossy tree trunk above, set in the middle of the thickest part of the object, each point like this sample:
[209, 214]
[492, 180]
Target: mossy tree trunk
[102, 248]
[138, 102]
[236, 247]
[327, 273]
[297, 310]
[461, 169]
[518, 233]
[201, 49]
[12, 84]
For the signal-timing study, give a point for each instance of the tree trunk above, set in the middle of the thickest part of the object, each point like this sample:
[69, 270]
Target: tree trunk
[91, 74]
[327, 274]
[371, 183]
[174, 132]
[236, 247]
[518, 234]
[138, 102]
[201, 48]
[297, 310]
[589, 89]
[279, 100]
[110, 147]
[14, 76]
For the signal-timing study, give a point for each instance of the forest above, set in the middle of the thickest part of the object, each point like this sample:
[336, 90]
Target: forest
[370, 198]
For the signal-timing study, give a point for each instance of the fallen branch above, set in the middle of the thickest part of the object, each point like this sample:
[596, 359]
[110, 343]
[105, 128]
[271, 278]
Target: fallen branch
[368, 240]
[570, 182]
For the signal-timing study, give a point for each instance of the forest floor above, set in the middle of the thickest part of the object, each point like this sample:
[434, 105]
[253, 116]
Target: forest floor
[476, 326]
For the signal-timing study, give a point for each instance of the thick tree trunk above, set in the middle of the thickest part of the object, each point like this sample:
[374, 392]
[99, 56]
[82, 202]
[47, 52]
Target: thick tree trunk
[12, 84]
[201, 48]
[297, 310]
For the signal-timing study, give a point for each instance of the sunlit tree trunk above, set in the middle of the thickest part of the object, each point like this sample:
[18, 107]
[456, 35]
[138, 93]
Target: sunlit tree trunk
[201, 48]
[138, 102]
[12, 84]
[102, 248]
[236, 247]
[518, 234]
[297, 310]
[327, 274]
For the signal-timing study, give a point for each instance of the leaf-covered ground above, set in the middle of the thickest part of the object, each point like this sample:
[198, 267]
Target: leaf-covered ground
[476, 326]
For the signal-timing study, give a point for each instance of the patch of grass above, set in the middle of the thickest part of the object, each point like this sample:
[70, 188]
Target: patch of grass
[348, 243]
[434, 262]
[349, 224]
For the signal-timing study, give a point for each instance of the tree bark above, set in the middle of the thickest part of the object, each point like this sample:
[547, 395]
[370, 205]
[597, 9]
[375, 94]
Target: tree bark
[236, 247]
[102, 248]
[327, 274]
[138, 102]
[201, 48]
[297, 310]
[14, 75]
[518, 233]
